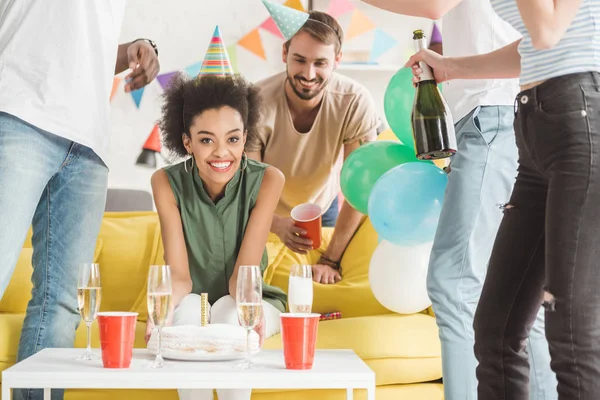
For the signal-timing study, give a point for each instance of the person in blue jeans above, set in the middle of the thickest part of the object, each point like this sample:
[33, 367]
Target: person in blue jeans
[480, 181]
[56, 73]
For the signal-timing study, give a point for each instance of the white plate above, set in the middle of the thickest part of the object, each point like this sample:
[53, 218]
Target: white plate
[203, 356]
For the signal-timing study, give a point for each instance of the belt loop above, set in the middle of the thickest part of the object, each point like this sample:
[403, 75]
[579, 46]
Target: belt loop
[596, 78]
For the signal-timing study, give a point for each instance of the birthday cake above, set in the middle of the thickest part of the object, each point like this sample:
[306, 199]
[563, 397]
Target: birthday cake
[209, 339]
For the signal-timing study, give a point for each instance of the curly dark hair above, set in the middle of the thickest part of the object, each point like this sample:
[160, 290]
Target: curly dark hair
[187, 98]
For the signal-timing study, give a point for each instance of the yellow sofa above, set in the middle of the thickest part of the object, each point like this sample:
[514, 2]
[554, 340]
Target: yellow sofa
[403, 350]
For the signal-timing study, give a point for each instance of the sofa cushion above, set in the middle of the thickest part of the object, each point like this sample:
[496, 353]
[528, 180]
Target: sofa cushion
[399, 348]
[352, 296]
[130, 245]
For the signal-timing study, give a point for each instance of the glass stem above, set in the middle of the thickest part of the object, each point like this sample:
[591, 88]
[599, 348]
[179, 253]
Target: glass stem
[159, 353]
[89, 337]
[248, 350]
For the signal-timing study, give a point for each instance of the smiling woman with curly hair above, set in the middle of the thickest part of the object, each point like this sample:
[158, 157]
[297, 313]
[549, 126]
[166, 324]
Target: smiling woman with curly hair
[215, 208]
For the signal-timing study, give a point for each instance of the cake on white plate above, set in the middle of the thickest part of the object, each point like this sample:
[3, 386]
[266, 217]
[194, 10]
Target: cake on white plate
[217, 339]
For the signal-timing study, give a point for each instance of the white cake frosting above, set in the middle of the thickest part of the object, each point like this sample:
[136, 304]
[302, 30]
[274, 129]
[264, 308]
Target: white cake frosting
[210, 339]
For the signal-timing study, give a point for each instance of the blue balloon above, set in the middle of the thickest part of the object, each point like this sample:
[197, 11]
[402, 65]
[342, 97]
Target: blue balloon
[405, 203]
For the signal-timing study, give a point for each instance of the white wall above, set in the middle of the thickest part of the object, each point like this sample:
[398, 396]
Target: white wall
[182, 30]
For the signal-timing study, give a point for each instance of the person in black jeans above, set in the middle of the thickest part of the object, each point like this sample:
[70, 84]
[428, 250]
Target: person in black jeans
[546, 251]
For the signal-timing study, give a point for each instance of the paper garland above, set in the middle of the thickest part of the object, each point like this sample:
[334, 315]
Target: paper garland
[252, 41]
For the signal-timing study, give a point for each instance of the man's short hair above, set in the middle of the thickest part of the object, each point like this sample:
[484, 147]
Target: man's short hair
[324, 28]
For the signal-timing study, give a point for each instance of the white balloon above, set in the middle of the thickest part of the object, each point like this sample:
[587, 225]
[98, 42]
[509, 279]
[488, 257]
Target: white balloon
[398, 276]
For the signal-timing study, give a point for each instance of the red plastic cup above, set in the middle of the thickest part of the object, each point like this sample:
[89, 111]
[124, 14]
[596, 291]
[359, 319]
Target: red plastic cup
[308, 217]
[299, 334]
[117, 334]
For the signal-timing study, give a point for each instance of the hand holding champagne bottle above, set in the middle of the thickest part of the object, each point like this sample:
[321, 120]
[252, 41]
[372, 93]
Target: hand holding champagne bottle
[433, 127]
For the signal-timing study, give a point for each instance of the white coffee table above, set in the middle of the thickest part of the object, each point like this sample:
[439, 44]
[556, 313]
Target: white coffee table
[58, 368]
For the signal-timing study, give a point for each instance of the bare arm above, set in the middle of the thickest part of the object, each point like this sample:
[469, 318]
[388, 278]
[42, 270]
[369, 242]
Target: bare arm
[172, 236]
[349, 219]
[259, 224]
[503, 63]
[432, 9]
[547, 20]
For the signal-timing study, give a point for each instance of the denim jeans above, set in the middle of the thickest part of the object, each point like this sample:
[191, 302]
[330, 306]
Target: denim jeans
[482, 177]
[60, 187]
[330, 216]
[546, 251]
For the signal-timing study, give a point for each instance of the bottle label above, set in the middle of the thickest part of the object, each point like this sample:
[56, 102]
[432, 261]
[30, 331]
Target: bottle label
[427, 74]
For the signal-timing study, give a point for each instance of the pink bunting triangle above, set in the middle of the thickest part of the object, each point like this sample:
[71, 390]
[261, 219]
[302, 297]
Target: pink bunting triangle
[339, 7]
[271, 26]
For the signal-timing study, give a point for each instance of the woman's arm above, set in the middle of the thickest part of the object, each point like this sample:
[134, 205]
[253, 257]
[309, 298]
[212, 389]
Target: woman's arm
[432, 9]
[259, 224]
[499, 64]
[172, 236]
[547, 20]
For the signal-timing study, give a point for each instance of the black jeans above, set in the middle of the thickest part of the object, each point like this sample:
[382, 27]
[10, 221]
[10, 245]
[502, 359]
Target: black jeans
[547, 248]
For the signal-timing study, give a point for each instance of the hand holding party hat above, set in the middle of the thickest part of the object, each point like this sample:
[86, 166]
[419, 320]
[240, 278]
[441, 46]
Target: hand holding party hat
[216, 61]
[288, 20]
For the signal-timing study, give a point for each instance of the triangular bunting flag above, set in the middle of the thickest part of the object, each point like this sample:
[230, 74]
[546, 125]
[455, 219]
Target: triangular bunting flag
[436, 35]
[295, 4]
[165, 79]
[137, 96]
[252, 42]
[288, 20]
[194, 69]
[216, 60]
[382, 43]
[232, 51]
[115, 86]
[153, 141]
[339, 7]
[271, 26]
[359, 24]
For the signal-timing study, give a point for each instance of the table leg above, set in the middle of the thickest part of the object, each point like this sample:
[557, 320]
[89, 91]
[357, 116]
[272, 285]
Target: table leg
[5, 391]
[371, 393]
[47, 393]
[349, 393]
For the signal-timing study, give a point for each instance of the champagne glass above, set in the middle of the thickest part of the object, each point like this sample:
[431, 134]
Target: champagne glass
[249, 304]
[159, 303]
[300, 289]
[89, 295]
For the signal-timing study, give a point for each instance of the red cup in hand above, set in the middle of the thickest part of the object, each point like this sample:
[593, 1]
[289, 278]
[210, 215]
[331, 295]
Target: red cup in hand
[308, 217]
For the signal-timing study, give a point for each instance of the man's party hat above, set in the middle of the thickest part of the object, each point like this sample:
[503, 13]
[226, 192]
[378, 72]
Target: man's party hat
[216, 61]
[288, 20]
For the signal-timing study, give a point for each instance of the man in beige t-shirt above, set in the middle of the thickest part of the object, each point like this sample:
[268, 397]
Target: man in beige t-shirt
[311, 117]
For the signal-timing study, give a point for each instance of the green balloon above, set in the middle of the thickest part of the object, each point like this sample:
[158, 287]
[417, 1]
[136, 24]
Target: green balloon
[398, 105]
[365, 165]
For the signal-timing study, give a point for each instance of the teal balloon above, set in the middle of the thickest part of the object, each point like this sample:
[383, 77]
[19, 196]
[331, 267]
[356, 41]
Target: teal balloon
[398, 105]
[365, 165]
[405, 203]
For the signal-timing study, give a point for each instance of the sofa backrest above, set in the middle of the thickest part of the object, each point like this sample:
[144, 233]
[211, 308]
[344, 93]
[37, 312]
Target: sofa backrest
[129, 242]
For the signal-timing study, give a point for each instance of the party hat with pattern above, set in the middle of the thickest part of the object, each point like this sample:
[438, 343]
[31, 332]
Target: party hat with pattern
[288, 20]
[216, 61]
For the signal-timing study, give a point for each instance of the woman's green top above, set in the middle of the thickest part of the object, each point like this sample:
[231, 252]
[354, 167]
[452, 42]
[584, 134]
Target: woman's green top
[214, 232]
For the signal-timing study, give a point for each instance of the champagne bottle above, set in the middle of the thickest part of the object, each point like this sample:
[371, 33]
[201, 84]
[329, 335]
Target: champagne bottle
[433, 128]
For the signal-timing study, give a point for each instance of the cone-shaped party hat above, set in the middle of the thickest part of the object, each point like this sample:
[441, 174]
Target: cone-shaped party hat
[216, 61]
[288, 20]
